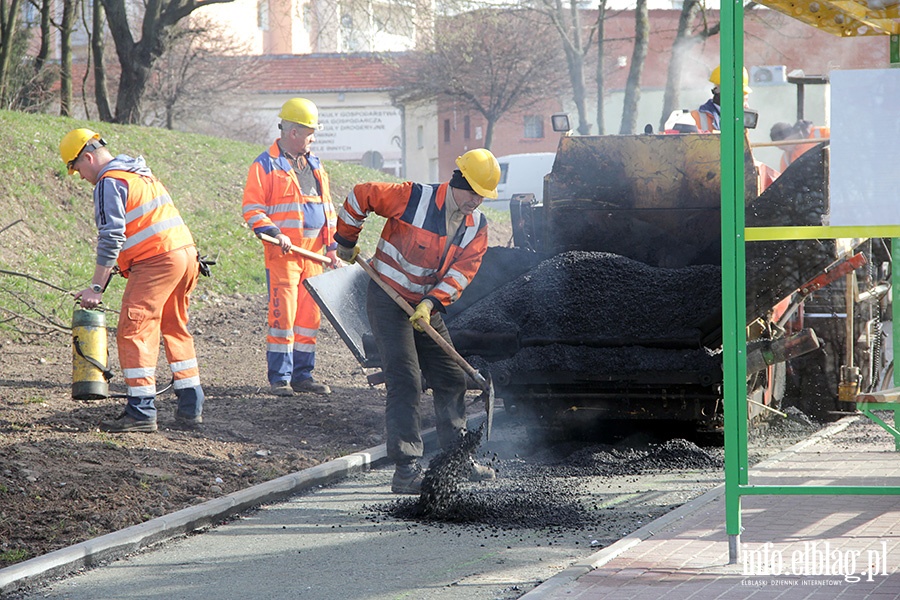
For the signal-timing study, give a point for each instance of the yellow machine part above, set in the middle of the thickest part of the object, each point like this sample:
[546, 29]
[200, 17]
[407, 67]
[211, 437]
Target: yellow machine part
[844, 18]
[89, 340]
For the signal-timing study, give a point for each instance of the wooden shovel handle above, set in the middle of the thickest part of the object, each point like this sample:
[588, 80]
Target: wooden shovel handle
[432, 333]
[301, 251]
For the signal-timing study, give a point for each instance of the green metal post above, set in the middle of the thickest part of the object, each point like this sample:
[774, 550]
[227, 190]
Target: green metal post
[895, 245]
[895, 325]
[734, 306]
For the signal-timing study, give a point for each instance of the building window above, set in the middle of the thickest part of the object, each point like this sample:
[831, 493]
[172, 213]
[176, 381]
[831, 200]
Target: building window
[262, 15]
[534, 127]
[420, 136]
[446, 131]
[466, 127]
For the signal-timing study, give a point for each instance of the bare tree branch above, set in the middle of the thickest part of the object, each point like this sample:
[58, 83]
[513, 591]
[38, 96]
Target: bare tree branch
[52, 326]
[489, 61]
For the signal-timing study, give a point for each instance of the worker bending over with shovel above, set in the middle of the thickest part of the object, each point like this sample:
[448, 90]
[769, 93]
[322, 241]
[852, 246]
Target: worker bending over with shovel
[430, 249]
[141, 231]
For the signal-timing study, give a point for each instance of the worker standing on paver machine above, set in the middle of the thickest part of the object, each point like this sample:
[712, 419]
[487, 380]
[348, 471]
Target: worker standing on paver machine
[287, 197]
[140, 229]
[430, 249]
[708, 116]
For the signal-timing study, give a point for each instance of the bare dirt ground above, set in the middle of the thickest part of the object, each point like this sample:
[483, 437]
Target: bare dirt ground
[63, 481]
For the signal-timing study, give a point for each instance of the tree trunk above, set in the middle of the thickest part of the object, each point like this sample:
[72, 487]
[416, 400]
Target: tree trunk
[44, 51]
[8, 18]
[633, 85]
[601, 76]
[566, 18]
[65, 63]
[101, 93]
[137, 58]
[683, 41]
[489, 133]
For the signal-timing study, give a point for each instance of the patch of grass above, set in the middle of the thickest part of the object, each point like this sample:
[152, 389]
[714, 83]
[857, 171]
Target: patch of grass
[13, 556]
[108, 440]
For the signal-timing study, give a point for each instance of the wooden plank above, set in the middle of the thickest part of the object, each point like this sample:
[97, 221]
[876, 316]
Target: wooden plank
[888, 396]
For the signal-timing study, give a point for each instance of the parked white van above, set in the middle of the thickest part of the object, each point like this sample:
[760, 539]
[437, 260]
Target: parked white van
[523, 174]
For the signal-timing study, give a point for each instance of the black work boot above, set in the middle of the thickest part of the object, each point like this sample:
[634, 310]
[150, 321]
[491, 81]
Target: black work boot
[183, 421]
[125, 423]
[310, 386]
[407, 479]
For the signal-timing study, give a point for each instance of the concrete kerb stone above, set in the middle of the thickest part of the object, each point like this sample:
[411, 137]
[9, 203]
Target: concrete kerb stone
[550, 588]
[92, 553]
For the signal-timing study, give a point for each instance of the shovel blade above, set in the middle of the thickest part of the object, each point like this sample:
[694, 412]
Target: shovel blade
[488, 396]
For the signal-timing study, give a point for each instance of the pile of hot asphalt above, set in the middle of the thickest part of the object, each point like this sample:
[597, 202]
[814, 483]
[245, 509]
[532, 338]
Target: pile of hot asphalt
[542, 490]
[587, 311]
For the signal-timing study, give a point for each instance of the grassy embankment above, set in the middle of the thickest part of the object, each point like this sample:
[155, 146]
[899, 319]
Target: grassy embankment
[55, 240]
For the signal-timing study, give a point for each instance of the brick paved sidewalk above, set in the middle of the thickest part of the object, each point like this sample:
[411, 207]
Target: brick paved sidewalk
[791, 547]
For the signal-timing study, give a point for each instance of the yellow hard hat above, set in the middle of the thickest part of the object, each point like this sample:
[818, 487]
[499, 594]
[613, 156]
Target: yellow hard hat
[481, 170]
[73, 143]
[716, 78]
[301, 111]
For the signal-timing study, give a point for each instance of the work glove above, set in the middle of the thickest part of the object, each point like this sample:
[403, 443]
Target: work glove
[423, 312]
[348, 255]
[205, 264]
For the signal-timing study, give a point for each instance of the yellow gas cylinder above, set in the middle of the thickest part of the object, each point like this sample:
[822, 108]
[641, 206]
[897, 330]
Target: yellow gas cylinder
[90, 355]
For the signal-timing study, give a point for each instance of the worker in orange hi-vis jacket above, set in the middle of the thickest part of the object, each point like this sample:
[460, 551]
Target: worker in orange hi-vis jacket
[801, 130]
[287, 197]
[141, 231]
[430, 249]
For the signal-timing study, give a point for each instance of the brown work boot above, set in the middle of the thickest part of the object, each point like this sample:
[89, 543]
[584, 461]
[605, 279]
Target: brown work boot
[481, 472]
[125, 423]
[407, 479]
[310, 386]
[282, 388]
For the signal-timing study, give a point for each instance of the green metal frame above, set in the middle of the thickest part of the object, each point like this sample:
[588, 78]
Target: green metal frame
[734, 236]
[867, 409]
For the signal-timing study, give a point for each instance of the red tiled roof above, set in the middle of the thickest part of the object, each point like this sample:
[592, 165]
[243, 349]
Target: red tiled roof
[327, 72]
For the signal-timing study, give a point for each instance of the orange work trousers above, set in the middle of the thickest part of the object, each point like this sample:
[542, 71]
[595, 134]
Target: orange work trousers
[294, 317]
[155, 303]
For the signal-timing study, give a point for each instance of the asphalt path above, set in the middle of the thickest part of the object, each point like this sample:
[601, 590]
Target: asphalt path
[332, 542]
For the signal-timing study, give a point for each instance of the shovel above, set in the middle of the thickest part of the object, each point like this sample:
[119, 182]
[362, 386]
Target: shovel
[483, 382]
[301, 251]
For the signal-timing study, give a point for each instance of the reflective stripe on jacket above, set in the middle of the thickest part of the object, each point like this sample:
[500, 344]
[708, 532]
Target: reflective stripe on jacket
[153, 225]
[409, 253]
[706, 121]
[273, 202]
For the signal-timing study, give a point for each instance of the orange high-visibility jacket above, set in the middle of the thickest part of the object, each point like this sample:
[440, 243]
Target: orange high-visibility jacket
[792, 153]
[273, 202]
[409, 253]
[153, 225]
